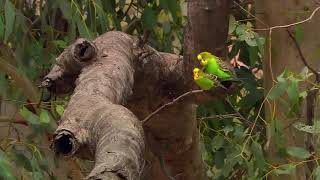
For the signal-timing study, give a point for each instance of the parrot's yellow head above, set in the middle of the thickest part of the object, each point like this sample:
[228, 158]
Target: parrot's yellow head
[196, 73]
[203, 58]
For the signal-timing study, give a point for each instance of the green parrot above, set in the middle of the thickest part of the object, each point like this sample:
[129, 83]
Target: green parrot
[203, 80]
[214, 65]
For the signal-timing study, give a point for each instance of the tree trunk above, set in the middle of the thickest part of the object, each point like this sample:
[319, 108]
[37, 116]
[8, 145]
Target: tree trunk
[286, 55]
[115, 73]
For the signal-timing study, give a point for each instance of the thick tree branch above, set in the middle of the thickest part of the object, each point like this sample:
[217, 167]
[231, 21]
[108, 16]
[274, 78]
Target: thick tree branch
[94, 124]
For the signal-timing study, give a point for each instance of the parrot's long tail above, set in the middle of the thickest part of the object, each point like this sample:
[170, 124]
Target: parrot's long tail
[236, 79]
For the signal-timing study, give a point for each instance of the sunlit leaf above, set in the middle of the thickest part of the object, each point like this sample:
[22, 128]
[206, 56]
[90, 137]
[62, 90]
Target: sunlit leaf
[315, 129]
[250, 41]
[59, 43]
[60, 109]
[286, 169]
[29, 116]
[44, 117]
[298, 152]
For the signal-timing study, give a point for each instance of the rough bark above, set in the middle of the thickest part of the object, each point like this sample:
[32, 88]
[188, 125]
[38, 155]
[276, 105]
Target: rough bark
[120, 75]
[286, 55]
[95, 122]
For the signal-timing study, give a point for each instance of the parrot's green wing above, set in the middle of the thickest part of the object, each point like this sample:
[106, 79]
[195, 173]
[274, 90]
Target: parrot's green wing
[224, 66]
[204, 83]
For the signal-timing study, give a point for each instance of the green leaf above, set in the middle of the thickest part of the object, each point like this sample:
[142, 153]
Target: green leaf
[260, 42]
[42, 161]
[315, 129]
[44, 116]
[253, 55]
[286, 169]
[240, 29]
[298, 152]
[219, 158]
[22, 161]
[1, 27]
[29, 116]
[148, 19]
[172, 6]
[305, 74]
[316, 173]
[232, 24]
[293, 92]
[60, 109]
[66, 10]
[298, 34]
[9, 12]
[218, 142]
[258, 154]
[5, 170]
[278, 90]
[122, 3]
[250, 41]
[276, 131]
[83, 29]
[59, 43]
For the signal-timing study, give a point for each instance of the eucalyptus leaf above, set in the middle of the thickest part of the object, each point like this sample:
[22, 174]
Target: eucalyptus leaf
[9, 12]
[298, 152]
[148, 19]
[286, 169]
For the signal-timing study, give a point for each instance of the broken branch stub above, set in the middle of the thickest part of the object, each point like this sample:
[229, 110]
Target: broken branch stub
[69, 64]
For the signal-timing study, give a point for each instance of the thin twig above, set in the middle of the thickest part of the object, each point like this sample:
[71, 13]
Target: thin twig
[292, 24]
[250, 13]
[316, 73]
[219, 116]
[129, 7]
[145, 120]
[280, 27]
[317, 2]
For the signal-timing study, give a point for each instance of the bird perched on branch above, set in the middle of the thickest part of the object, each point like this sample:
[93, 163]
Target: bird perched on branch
[203, 80]
[216, 66]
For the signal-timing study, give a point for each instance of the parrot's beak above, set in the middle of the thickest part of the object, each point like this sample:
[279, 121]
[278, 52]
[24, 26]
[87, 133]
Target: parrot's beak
[203, 62]
[195, 76]
[199, 57]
